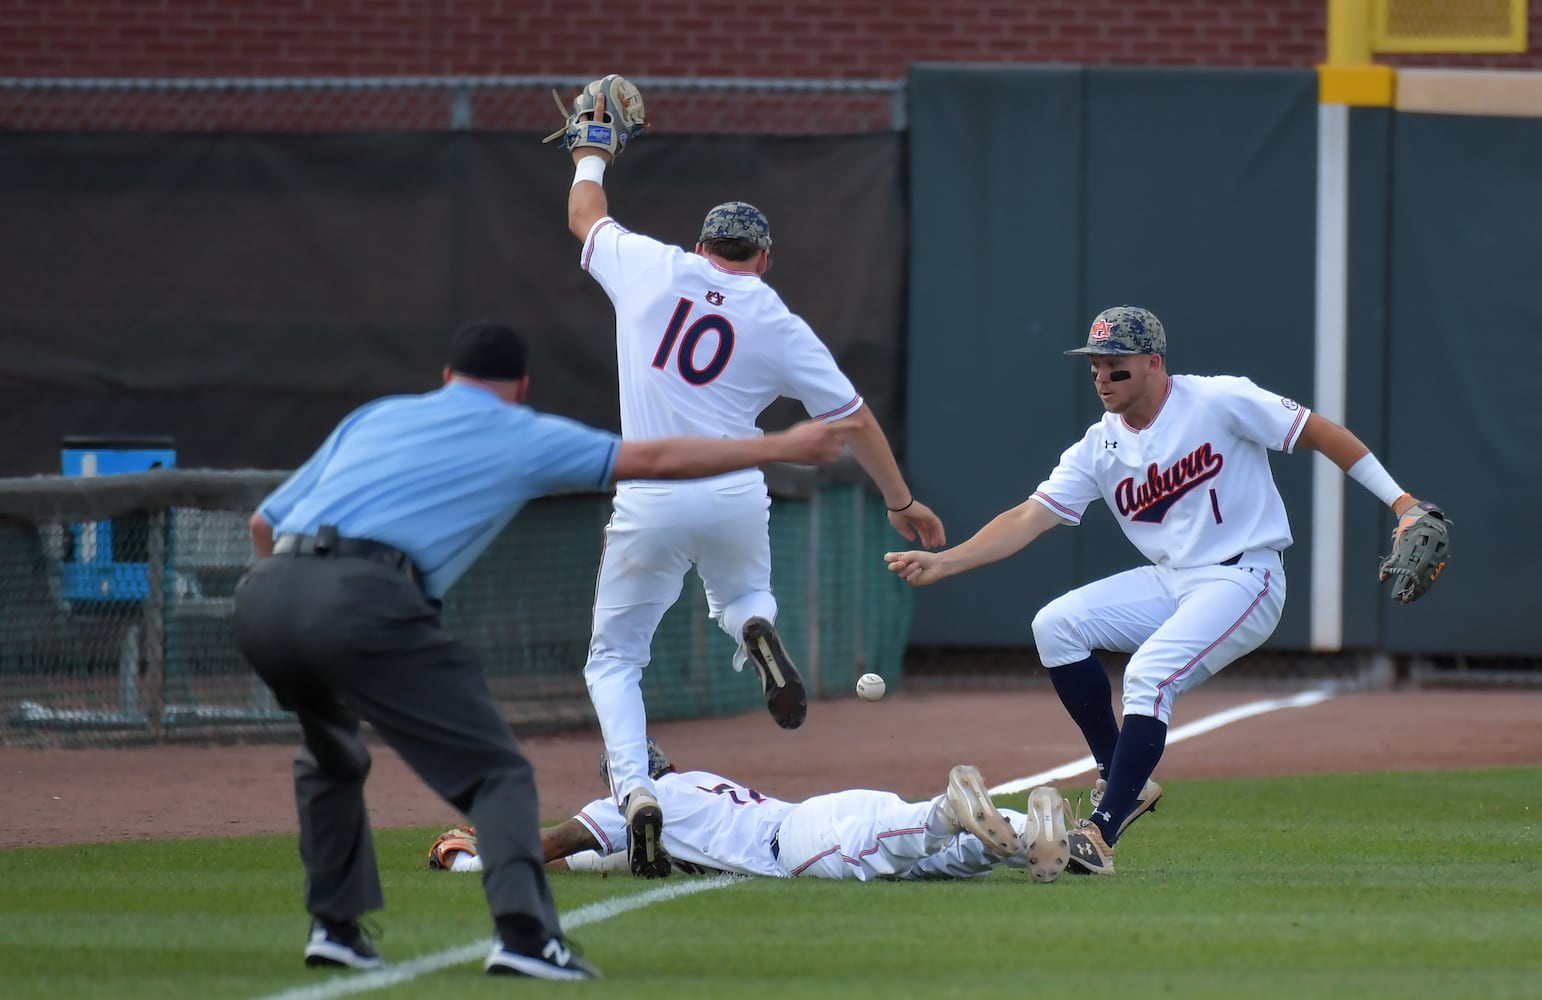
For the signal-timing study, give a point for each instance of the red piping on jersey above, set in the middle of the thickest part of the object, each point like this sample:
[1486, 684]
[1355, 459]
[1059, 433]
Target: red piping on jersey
[729, 270]
[599, 834]
[1058, 508]
[877, 846]
[1154, 416]
[589, 243]
[1295, 429]
[856, 401]
[811, 861]
[1157, 708]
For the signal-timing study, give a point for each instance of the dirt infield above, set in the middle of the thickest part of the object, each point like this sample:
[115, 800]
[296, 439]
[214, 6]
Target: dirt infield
[906, 743]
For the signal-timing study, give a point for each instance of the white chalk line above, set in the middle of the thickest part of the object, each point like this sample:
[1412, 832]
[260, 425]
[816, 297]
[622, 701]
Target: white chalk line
[605, 909]
[413, 968]
[1183, 732]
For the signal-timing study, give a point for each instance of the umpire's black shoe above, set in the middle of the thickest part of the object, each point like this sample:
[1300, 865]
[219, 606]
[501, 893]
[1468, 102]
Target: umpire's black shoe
[785, 698]
[340, 945]
[552, 958]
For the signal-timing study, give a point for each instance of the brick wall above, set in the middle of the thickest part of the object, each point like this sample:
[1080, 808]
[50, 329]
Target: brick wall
[866, 39]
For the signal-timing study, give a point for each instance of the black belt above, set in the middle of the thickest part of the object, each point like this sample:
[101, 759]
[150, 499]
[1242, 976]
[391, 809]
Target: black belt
[325, 543]
[776, 845]
[1233, 560]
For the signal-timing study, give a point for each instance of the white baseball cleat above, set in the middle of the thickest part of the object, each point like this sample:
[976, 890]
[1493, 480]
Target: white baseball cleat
[967, 806]
[1046, 841]
[1144, 803]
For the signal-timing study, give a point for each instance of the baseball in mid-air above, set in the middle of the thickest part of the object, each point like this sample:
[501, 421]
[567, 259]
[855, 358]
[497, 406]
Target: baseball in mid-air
[870, 687]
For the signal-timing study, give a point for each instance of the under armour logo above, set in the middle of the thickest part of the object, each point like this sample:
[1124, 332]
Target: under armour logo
[555, 953]
[1110, 444]
[716, 298]
[1083, 848]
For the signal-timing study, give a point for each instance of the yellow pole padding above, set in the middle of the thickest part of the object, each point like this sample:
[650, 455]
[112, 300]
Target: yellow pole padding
[1349, 32]
[1363, 86]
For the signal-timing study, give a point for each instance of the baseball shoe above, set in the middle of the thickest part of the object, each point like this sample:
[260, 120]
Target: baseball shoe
[1045, 839]
[1090, 853]
[967, 805]
[645, 835]
[1144, 803]
[553, 958]
[785, 698]
[340, 945]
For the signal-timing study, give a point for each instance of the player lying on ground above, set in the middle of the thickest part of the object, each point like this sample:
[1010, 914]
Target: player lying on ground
[718, 824]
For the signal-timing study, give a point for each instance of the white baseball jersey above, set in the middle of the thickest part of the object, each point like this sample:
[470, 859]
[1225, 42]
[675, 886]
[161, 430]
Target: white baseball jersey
[711, 821]
[701, 350]
[1192, 488]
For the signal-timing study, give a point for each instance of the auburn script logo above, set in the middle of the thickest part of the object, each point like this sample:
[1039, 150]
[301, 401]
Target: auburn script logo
[1148, 501]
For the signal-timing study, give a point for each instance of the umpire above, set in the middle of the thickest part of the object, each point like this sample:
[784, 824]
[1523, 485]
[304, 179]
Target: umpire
[340, 617]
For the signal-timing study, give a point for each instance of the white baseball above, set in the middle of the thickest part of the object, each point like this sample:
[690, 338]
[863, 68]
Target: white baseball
[870, 687]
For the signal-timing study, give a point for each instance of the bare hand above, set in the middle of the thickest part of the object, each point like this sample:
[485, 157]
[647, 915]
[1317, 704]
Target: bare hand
[916, 568]
[812, 442]
[918, 523]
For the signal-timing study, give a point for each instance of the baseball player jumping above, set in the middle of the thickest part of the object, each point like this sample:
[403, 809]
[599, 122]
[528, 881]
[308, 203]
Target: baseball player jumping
[1182, 461]
[701, 343]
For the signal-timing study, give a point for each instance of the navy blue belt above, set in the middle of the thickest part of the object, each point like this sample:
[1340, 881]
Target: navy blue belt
[324, 544]
[776, 845]
[1233, 560]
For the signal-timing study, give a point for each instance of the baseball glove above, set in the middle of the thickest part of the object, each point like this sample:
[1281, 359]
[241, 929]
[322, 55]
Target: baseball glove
[1420, 546]
[620, 121]
[441, 857]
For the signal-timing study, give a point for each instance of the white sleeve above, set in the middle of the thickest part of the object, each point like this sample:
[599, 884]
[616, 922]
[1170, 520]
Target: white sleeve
[811, 376]
[603, 818]
[594, 861]
[1271, 420]
[1071, 486]
[614, 255]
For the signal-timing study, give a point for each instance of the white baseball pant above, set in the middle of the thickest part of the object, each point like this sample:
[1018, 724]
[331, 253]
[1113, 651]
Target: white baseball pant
[1181, 626]
[656, 532]
[859, 833]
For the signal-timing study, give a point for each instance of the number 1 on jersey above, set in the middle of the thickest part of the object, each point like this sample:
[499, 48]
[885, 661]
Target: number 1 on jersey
[685, 360]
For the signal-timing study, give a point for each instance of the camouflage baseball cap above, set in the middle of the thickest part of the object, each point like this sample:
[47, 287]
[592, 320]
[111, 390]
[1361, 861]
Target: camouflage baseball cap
[658, 764]
[737, 220]
[1125, 330]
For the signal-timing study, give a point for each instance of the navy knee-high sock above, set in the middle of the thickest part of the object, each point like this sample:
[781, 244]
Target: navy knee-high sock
[1086, 694]
[1135, 759]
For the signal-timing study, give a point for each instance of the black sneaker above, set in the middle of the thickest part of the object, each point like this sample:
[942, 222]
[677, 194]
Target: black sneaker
[554, 959]
[340, 945]
[785, 698]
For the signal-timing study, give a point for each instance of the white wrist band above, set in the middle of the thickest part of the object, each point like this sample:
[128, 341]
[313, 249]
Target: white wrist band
[1369, 473]
[590, 168]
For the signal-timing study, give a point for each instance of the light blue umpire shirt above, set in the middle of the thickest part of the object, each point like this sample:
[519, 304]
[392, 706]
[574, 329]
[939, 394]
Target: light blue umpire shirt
[438, 475]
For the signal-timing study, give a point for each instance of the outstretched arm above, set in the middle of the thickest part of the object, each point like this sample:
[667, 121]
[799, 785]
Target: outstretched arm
[1007, 533]
[870, 447]
[586, 198]
[1349, 453]
[568, 837]
[694, 458]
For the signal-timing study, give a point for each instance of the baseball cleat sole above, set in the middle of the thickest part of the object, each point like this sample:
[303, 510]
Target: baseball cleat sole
[786, 699]
[645, 852]
[1049, 849]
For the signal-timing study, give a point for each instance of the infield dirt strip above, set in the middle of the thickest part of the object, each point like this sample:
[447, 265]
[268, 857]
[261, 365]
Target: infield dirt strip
[906, 743]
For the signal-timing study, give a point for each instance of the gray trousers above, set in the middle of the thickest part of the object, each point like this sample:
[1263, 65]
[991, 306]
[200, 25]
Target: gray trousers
[340, 639]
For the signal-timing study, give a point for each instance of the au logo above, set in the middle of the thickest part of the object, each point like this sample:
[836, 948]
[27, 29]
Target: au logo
[1100, 330]
[716, 298]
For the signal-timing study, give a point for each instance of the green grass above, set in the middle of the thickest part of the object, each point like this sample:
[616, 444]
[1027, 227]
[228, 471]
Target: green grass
[1363, 886]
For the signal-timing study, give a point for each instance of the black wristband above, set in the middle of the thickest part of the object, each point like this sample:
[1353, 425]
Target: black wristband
[896, 510]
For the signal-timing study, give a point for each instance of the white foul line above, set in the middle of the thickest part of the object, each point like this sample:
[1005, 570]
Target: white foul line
[1183, 732]
[413, 968]
[605, 909]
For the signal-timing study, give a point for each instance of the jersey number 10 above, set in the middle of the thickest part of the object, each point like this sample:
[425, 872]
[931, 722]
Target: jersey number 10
[685, 359]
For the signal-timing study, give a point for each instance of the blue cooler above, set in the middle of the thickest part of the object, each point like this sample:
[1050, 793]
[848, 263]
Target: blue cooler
[106, 559]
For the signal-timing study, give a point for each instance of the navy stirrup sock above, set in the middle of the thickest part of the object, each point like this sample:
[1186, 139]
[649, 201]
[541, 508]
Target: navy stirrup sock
[1135, 759]
[1086, 694]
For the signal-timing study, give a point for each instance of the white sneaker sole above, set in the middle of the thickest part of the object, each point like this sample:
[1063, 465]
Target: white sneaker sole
[1049, 849]
[971, 805]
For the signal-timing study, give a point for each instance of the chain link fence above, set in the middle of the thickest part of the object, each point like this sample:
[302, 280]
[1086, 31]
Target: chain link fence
[461, 103]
